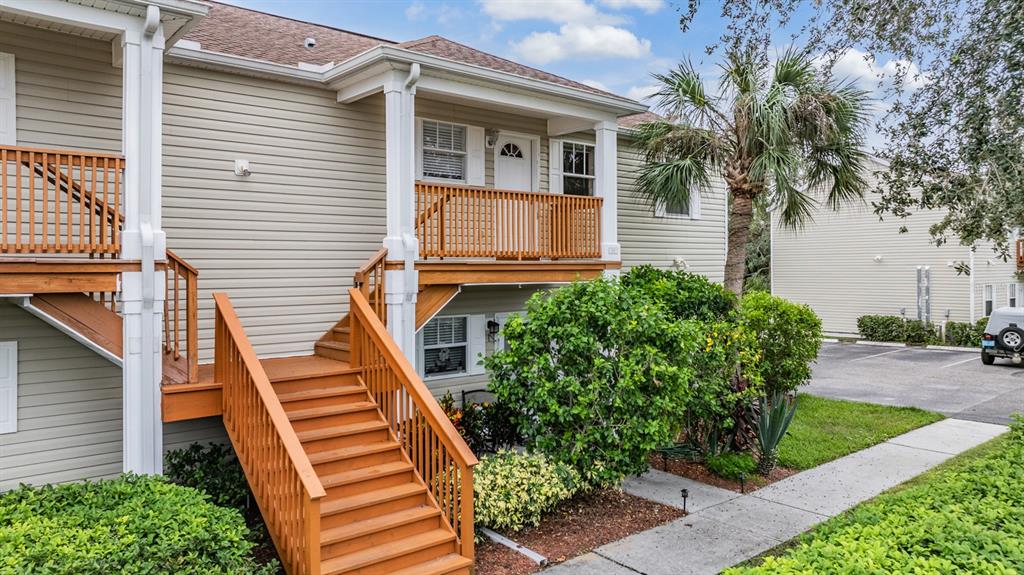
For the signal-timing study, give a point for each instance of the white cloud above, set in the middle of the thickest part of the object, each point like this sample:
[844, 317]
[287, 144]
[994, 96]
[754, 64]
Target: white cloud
[562, 12]
[415, 11]
[643, 93]
[855, 66]
[581, 41]
[649, 6]
[596, 84]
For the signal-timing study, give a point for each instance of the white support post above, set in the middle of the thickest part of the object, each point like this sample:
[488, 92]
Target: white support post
[142, 292]
[401, 286]
[606, 186]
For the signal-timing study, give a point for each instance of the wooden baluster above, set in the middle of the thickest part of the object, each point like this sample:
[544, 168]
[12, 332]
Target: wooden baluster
[32, 202]
[3, 199]
[18, 208]
[118, 165]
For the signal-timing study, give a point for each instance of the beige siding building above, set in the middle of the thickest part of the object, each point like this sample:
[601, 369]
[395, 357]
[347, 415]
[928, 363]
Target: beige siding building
[849, 263]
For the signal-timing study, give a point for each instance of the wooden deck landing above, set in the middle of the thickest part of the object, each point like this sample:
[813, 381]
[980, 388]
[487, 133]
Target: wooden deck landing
[203, 399]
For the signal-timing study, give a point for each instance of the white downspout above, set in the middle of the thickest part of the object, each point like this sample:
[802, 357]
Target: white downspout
[971, 283]
[409, 240]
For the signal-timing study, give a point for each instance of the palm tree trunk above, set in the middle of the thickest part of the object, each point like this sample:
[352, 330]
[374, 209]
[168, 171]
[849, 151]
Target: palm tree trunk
[741, 214]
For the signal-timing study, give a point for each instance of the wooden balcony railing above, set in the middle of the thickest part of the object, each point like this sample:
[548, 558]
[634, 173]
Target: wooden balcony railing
[59, 201]
[181, 302]
[462, 221]
[369, 280]
[438, 453]
[280, 474]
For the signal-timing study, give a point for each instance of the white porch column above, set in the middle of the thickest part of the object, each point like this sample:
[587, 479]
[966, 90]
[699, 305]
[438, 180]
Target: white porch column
[401, 286]
[142, 292]
[606, 186]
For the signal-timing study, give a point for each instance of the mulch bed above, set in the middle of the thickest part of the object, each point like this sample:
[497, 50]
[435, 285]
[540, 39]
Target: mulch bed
[698, 472]
[576, 527]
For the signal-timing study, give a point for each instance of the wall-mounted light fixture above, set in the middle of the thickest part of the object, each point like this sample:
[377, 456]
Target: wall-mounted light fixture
[878, 258]
[493, 328]
[242, 168]
[490, 137]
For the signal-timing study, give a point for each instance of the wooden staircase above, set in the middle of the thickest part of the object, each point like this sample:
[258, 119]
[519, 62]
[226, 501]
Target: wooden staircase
[354, 466]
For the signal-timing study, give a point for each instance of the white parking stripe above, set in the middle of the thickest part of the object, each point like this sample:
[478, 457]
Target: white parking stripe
[881, 354]
[959, 362]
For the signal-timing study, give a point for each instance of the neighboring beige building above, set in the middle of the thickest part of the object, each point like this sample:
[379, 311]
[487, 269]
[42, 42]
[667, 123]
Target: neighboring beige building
[849, 263]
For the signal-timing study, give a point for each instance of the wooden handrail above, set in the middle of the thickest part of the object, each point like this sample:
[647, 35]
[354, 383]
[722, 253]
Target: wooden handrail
[280, 474]
[438, 453]
[469, 221]
[60, 201]
[178, 304]
[369, 279]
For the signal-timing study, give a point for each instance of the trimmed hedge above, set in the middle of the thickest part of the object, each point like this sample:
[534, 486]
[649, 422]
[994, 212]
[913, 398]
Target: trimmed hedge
[130, 525]
[967, 518]
[512, 490]
[965, 334]
[897, 329]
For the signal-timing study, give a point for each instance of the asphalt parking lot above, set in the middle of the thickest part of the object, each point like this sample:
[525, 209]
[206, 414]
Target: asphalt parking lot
[954, 383]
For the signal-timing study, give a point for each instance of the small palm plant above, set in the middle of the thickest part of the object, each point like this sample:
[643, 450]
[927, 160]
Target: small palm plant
[773, 421]
[779, 135]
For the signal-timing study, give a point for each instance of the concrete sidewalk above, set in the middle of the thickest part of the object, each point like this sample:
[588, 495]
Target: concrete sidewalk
[725, 528]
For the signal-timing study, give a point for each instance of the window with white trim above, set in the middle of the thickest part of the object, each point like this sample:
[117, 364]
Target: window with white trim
[577, 169]
[989, 299]
[1011, 295]
[8, 386]
[445, 346]
[443, 151]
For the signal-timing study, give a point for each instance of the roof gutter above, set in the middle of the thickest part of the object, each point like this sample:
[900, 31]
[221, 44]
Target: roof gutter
[391, 55]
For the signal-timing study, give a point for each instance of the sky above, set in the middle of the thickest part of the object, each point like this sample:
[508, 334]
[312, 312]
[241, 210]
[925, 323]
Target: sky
[614, 45]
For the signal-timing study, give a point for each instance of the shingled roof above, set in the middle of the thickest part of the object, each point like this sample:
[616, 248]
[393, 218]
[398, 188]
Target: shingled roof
[251, 34]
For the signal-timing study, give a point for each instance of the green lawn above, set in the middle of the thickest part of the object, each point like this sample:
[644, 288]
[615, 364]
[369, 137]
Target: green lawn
[826, 429]
[966, 516]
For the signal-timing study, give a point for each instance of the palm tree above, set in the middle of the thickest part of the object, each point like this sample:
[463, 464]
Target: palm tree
[785, 134]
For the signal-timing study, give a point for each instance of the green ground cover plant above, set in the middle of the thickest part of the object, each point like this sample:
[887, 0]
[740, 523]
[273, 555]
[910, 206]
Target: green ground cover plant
[512, 490]
[826, 429]
[132, 525]
[965, 517]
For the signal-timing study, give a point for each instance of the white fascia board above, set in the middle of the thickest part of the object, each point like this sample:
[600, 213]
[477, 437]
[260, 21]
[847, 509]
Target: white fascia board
[227, 62]
[73, 14]
[563, 125]
[485, 75]
[512, 99]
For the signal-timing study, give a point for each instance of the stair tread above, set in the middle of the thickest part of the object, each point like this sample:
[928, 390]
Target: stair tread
[364, 473]
[371, 498]
[320, 392]
[345, 329]
[341, 430]
[336, 409]
[352, 451]
[391, 550]
[439, 566]
[376, 524]
[338, 345]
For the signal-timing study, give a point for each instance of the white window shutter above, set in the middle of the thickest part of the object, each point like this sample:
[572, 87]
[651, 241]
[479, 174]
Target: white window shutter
[474, 155]
[695, 204]
[419, 148]
[477, 343]
[8, 112]
[555, 166]
[8, 386]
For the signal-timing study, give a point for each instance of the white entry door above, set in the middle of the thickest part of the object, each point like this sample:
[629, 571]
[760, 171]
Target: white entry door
[513, 164]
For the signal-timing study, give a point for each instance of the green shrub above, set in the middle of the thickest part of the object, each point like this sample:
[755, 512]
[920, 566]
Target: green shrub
[131, 525]
[882, 327]
[921, 332]
[686, 295]
[788, 336]
[965, 334]
[213, 469]
[966, 518]
[726, 380]
[512, 490]
[596, 370]
[732, 465]
[487, 427]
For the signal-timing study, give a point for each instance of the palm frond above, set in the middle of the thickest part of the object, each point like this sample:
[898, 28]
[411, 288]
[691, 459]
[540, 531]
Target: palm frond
[679, 161]
[683, 97]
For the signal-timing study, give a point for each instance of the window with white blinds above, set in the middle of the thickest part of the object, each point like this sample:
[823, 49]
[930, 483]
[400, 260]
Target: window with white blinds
[445, 345]
[443, 151]
[577, 169]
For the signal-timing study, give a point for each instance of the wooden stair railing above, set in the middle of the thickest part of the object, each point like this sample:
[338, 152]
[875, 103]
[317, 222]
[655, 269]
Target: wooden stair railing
[276, 466]
[1020, 255]
[369, 279]
[45, 206]
[473, 222]
[438, 453]
[181, 298]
